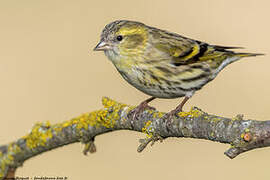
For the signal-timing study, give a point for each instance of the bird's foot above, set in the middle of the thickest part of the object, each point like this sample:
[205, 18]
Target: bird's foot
[169, 116]
[134, 113]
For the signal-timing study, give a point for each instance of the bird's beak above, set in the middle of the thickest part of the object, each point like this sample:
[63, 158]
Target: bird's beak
[102, 46]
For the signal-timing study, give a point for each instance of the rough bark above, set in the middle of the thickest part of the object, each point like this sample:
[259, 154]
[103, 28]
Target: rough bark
[242, 135]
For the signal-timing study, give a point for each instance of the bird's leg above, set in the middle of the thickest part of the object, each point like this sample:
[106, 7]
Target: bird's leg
[178, 109]
[141, 107]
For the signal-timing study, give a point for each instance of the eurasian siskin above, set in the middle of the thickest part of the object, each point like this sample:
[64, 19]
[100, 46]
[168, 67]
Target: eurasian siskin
[163, 64]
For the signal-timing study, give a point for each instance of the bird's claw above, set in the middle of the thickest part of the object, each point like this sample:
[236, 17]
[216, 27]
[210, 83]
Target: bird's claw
[134, 113]
[170, 115]
[139, 109]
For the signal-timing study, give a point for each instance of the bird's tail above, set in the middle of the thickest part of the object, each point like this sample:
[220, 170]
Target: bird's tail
[248, 54]
[229, 48]
[233, 58]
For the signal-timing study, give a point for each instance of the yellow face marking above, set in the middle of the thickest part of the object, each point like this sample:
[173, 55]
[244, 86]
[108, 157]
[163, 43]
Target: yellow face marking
[134, 40]
[131, 30]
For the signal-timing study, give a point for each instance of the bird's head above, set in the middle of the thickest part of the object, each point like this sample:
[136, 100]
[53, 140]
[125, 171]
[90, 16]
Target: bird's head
[124, 38]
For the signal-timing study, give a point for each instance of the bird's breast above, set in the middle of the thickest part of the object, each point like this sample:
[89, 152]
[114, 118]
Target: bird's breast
[150, 83]
[161, 79]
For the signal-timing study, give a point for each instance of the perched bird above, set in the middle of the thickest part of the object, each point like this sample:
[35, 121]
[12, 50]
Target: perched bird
[163, 64]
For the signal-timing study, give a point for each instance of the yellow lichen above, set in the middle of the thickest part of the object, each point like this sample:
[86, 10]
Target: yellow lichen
[215, 119]
[14, 148]
[96, 118]
[47, 124]
[158, 114]
[148, 129]
[234, 119]
[238, 117]
[106, 117]
[3, 167]
[57, 128]
[107, 102]
[66, 124]
[7, 159]
[194, 112]
[99, 118]
[38, 136]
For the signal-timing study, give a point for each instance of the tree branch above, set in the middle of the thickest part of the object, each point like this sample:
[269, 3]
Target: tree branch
[242, 135]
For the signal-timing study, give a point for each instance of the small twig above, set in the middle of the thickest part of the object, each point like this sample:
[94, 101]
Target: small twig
[147, 140]
[89, 147]
[10, 174]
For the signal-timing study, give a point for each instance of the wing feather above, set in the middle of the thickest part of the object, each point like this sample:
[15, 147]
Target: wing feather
[180, 50]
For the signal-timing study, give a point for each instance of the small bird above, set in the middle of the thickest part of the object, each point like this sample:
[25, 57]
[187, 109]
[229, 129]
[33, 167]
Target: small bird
[163, 64]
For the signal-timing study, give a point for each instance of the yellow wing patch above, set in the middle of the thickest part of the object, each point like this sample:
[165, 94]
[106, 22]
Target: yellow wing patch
[195, 50]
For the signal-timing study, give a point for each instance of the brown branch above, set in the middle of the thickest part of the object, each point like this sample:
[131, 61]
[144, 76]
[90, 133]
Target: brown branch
[242, 135]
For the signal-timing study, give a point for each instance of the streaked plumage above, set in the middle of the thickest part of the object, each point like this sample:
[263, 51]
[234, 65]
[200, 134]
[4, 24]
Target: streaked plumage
[160, 63]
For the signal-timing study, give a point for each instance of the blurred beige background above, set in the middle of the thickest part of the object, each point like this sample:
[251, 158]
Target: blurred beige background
[48, 71]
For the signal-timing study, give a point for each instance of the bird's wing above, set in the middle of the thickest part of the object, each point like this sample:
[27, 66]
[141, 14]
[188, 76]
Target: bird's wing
[181, 50]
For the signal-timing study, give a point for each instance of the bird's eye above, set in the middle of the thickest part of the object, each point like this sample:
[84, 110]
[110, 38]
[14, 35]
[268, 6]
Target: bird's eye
[119, 38]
